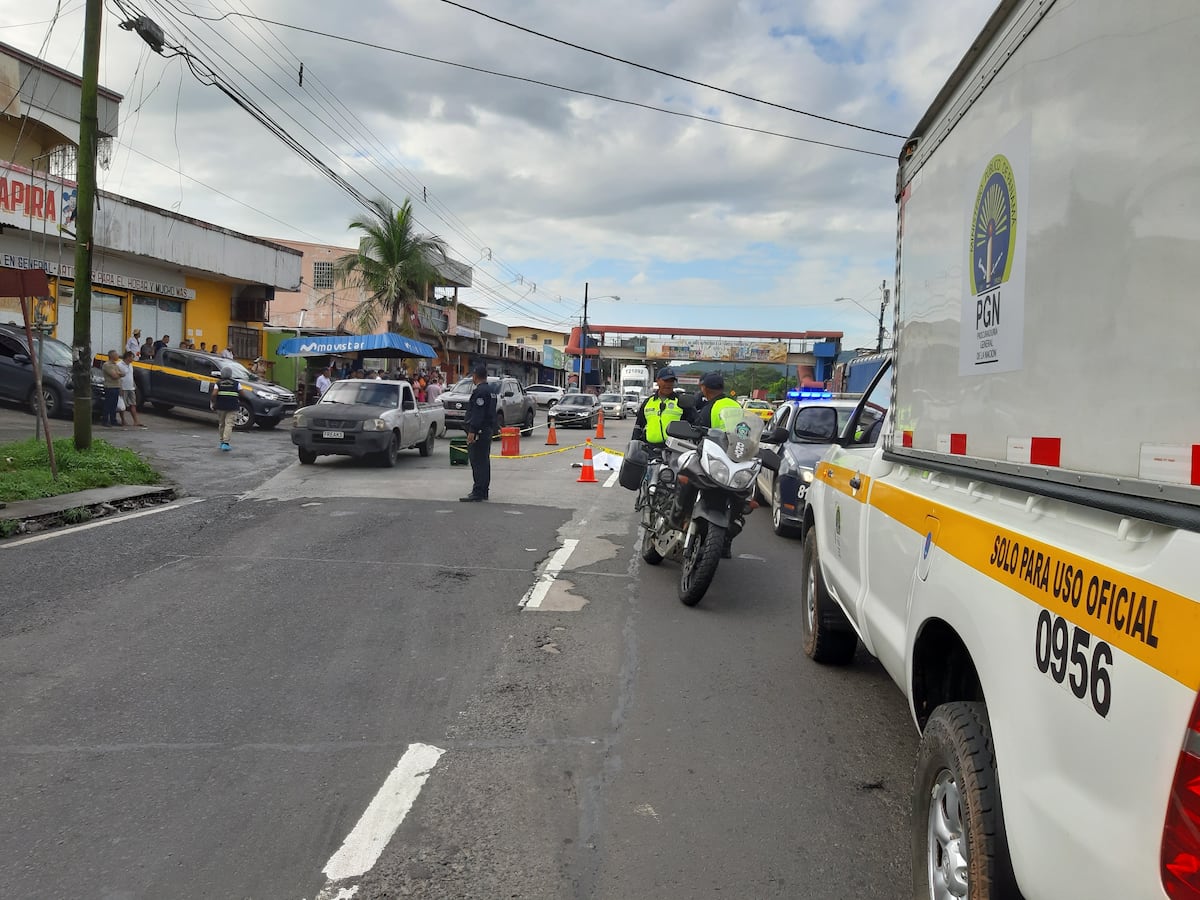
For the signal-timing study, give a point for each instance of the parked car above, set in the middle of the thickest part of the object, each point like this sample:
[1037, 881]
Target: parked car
[513, 405]
[545, 394]
[581, 410]
[785, 491]
[633, 402]
[366, 418]
[760, 408]
[613, 405]
[186, 377]
[17, 379]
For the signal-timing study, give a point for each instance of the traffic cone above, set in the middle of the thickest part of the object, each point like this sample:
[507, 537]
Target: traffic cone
[600, 426]
[552, 436]
[588, 475]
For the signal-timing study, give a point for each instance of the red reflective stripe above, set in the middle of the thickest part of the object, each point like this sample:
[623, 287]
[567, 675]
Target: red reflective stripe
[906, 439]
[1045, 451]
[1195, 463]
[958, 444]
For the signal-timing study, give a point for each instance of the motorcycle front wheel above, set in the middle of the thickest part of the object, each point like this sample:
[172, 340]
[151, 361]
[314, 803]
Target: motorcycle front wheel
[700, 562]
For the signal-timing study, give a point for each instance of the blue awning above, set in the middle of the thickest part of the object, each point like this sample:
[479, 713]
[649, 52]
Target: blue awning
[341, 344]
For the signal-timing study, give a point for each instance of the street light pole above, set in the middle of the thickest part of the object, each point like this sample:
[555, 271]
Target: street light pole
[882, 306]
[584, 347]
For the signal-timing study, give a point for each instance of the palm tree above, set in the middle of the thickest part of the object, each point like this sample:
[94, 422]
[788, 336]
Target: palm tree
[394, 265]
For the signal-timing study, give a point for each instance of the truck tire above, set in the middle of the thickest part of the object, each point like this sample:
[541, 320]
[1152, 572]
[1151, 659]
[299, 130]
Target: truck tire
[828, 637]
[649, 552]
[388, 456]
[425, 448]
[700, 564]
[162, 407]
[266, 424]
[529, 417]
[243, 416]
[778, 525]
[959, 846]
[307, 457]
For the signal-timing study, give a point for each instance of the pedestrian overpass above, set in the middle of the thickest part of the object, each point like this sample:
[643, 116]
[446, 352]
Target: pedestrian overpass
[810, 355]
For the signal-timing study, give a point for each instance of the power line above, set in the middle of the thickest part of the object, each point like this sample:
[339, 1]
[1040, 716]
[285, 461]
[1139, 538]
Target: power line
[577, 91]
[666, 74]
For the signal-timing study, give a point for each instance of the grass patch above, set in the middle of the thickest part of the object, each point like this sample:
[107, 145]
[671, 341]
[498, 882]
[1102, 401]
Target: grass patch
[25, 469]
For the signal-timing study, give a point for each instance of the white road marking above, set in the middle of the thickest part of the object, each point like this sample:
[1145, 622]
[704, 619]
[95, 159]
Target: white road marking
[535, 595]
[362, 847]
[612, 479]
[111, 520]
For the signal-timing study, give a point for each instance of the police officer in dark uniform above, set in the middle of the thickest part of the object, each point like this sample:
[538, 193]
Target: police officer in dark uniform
[480, 425]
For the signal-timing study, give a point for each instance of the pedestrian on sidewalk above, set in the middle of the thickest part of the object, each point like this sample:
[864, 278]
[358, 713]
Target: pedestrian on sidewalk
[112, 389]
[224, 400]
[129, 390]
[134, 344]
[480, 424]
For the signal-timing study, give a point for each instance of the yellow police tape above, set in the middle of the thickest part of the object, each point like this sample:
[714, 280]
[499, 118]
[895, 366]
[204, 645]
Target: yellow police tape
[552, 452]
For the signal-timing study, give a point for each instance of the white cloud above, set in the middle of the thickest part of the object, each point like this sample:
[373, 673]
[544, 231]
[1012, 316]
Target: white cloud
[686, 221]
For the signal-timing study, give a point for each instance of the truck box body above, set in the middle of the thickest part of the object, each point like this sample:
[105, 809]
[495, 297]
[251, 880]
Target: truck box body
[1011, 520]
[1070, 354]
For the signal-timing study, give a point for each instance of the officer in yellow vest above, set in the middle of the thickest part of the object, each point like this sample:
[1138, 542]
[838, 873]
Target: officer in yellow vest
[659, 410]
[708, 413]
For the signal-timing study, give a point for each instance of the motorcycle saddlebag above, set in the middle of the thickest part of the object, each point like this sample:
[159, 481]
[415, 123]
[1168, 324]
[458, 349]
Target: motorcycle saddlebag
[633, 466]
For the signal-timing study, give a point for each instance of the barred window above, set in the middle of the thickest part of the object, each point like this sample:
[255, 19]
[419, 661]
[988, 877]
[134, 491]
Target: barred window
[245, 343]
[323, 275]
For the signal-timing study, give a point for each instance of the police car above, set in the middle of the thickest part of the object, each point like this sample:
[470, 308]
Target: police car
[791, 434]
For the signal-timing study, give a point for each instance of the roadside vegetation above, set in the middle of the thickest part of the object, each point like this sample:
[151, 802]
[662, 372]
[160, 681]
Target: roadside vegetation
[25, 469]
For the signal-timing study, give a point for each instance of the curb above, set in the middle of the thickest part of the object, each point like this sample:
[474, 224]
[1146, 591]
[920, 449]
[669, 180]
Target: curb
[33, 516]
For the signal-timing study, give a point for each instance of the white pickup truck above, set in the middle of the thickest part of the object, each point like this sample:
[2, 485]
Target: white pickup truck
[361, 417]
[1010, 521]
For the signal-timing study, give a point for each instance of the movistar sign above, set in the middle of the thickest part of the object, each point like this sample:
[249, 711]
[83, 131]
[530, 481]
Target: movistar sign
[344, 346]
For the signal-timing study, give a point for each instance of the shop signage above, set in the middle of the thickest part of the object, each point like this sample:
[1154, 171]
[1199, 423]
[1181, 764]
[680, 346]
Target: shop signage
[100, 278]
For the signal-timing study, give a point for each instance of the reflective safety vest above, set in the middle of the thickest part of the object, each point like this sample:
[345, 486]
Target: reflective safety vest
[660, 412]
[718, 406]
[227, 394]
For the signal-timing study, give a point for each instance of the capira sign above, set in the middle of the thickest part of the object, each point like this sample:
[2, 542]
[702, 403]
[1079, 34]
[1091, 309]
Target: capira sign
[29, 197]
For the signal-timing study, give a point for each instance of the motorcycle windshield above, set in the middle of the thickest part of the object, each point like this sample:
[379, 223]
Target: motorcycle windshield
[744, 430]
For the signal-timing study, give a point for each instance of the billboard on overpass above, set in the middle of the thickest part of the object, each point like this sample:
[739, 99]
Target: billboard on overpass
[720, 351]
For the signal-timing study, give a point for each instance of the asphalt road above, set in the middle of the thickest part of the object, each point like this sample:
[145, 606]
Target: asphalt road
[244, 696]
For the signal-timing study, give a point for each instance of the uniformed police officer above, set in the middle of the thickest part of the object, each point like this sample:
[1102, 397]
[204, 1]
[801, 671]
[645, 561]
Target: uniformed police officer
[480, 424]
[224, 399]
[708, 413]
[659, 410]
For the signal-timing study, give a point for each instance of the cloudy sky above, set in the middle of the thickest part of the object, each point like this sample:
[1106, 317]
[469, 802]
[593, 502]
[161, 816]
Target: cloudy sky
[542, 189]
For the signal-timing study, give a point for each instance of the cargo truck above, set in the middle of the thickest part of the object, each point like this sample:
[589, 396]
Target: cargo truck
[1010, 521]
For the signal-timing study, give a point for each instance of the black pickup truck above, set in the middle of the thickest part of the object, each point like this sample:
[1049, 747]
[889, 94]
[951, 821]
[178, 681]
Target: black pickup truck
[186, 377]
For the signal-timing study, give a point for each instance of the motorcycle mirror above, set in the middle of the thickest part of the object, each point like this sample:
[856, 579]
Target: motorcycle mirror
[681, 430]
[770, 459]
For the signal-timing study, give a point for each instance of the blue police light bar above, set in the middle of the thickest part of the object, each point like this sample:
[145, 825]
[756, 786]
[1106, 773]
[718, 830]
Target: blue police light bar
[810, 394]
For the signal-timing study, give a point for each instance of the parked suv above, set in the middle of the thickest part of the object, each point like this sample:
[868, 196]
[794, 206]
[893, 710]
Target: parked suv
[545, 394]
[513, 405]
[16, 373]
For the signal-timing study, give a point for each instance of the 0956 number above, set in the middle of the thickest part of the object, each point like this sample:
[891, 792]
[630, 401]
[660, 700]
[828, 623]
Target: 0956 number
[1067, 653]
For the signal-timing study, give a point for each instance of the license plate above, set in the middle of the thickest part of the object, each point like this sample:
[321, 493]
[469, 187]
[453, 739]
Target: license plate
[333, 434]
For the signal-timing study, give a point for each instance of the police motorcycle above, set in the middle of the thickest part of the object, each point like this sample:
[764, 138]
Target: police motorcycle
[695, 492]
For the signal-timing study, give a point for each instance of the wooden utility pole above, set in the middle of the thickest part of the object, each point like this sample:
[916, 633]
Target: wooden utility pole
[85, 207]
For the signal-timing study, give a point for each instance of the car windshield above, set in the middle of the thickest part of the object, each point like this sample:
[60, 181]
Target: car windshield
[757, 404]
[632, 397]
[54, 353]
[240, 372]
[610, 398]
[578, 399]
[463, 387]
[364, 393]
[541, 388]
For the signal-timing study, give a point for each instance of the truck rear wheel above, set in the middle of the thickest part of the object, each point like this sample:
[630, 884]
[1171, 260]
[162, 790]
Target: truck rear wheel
[959, 846]
[307, 457]
[425, 448]
[828, 637]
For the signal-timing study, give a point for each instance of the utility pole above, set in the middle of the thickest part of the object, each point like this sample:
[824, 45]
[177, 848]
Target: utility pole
[583, 358]
[882, 306]
[85, 207]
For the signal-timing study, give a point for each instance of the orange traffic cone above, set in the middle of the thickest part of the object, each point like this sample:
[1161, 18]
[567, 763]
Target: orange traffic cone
[600, 426]
[551, 436]
[588, 475]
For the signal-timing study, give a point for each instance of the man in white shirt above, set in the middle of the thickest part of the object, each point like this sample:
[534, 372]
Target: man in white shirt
[134, 344]
[227, 353]
[128, 389]
[323, 382]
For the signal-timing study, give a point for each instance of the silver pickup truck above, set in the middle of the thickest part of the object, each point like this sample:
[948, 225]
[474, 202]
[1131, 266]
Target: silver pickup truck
[357, 417]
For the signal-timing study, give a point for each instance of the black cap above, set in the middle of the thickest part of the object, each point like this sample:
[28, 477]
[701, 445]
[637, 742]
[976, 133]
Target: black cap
[666, 373]
[479, 369]
[713, 381]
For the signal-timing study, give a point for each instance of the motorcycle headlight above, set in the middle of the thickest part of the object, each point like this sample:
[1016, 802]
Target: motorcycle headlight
[742, 479]
[375, 425]
[718, 471]
[299, 421]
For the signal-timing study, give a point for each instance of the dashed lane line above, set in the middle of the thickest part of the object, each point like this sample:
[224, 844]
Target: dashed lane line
[535, 595]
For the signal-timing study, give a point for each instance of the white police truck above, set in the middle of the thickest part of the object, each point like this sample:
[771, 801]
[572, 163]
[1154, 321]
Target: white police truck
[1009, 522]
